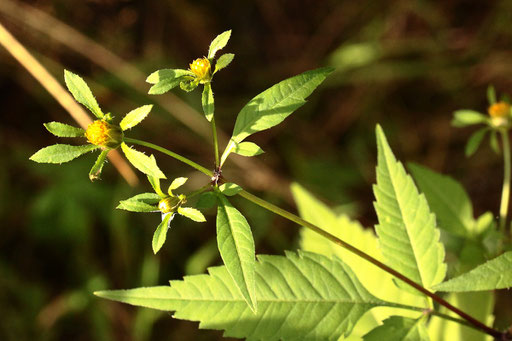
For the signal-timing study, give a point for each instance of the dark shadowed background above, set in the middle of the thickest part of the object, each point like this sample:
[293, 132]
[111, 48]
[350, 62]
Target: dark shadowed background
[404, 64]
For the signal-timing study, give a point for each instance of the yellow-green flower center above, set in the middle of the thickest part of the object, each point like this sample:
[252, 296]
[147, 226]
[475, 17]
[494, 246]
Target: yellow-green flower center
[500, 109]
[201, 68]
[102, 133]
[169, 204]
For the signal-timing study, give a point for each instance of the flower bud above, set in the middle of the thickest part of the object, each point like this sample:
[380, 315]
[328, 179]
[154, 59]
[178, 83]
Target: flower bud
[169, 204]
[101, 133]
[499, 109]
[201, 68]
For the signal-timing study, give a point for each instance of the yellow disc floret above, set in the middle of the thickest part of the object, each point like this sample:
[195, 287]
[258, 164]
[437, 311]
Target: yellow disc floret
[169, 204]
[201, 68]
[500, 109]
[101, 133]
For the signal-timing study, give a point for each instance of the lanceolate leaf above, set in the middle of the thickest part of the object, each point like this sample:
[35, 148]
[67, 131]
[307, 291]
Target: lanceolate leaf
[135, 116]
[145, 202]
[176, 183]
[161, 233]
[60, 153]
[229, 189]
[301, 296]
[447, 199]
[474, 141]
[494, 274]
[236, 246]
[81, 92]
[218, 43]
[207, 101]
[407, 229]
[223, 61]
[142, 162]
[397, 328]
[247, 149]
[94, 173]
[273, 105]
[462, 118]
[64, 130]
[166, 79]
[192, 213]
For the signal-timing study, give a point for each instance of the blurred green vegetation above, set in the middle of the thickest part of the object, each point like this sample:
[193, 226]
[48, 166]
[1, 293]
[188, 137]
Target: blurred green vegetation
[405, 64]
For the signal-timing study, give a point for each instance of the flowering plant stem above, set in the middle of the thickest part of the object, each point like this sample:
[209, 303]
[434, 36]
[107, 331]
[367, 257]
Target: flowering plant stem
[505, 194]
[215, 143]
[296, 219]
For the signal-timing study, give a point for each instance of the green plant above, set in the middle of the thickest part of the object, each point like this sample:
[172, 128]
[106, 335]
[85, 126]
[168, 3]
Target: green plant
[325, 290]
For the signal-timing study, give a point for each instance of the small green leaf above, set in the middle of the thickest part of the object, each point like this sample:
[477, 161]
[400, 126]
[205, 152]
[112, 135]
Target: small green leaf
[135, 116]
[155, 183]
[175, 184]
[144, 202]
[189, 85]
[64, 130]
[223, 61]
[398, 328]
[218, 43]
[81, 92]
[493, 142]
[229, 189]
[94, 173]
[247, 149]
[192, 214]
[494, 274]
[206, 200]
[142, 162]
[462, 118]
[474, 141]
[161, 233]
[447, 199]
[236, 246]
[491, 94]
[208, 102]
[167, 79]
[60, 153]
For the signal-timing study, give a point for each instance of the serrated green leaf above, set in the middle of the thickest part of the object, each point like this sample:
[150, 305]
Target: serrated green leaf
[447, 199]
[398, 328]
[247, 149]
[60, 153]
[176, 183]
[189, 85]
[474, 141]
[236, 246]
[167, 79]
[94, 173]
[301, 296]
[161, 232]
[144, 202]
[135, 116]
[494, 274]
[229, 189]
[206, 200]
[192, 214]
[223, 61]
[81, 92]
[273, 105]
[64, 130]
[155, 183]
[462, 118]
[218, 43]
[142, 162]
[491, 94]
[407, 229]
[208, 102]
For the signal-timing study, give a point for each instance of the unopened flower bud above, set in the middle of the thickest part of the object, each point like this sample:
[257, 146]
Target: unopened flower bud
[201, 68]
[169, 204]
[101, 133]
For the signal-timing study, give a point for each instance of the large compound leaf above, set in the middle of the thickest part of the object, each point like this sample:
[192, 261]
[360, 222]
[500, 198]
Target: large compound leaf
[407, 229]
[398, 328]
[302, 296]
[447, 199]
[273, 105]
[494, 274]
[236, 247]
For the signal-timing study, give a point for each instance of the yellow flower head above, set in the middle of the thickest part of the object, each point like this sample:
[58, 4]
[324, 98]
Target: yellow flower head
[499, 109]
[169, 204]
[102, 133]
[201, 68]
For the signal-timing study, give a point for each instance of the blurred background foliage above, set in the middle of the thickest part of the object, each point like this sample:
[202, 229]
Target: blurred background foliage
[405, 64]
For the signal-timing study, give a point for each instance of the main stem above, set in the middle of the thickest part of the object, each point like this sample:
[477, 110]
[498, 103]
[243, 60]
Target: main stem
[505, 193]
[296, 219]
[215, 142]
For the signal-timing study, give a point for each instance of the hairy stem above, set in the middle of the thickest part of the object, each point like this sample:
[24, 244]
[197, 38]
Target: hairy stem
[298, 220]
[505, 193]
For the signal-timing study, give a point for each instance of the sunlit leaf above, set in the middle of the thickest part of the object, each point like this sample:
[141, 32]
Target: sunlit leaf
[398, 328]
[94, 173]
[64, 130]
[229, 189]
[218, 43]
[145, 202]
[167, 79]
[176, 183]
[223, 61]
[135, 116]
[60, 153]
[462, 118]
[161, 233]
[81, 92]
[247, 149]
[192, 214]
[208, 102]
[142, 162]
